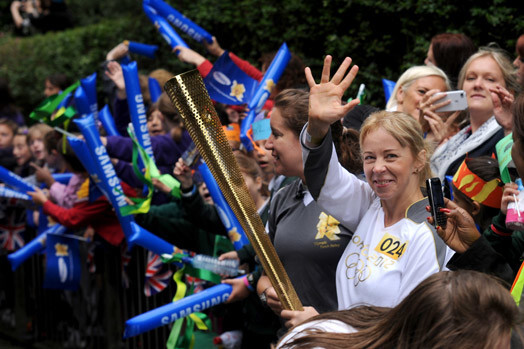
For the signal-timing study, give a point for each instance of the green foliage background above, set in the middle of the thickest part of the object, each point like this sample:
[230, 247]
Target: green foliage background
[383, 38]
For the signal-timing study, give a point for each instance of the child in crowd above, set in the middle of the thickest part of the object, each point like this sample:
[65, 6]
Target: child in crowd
[61, 194]
[8, 129]
[98, 214]
[22, 154]
[55, 83]
[477, 188]
[35, 140]
[232, 132]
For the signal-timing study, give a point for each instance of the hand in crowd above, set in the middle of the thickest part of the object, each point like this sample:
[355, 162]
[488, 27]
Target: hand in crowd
[89, 233]
[502, 100]
[441, 125]
[510, 191]
[38, 196]
[461, 231]
[15, 13]
[117, 52]
[161, 186]
[240, 290]
[43, 174]
[229, 255]
[115, 73]
[272, 300]
[214, 48]
[187, 55]
[183, 173]
[296, 317]
[325, 105]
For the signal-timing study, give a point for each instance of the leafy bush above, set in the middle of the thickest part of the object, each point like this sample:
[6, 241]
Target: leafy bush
[383, 38]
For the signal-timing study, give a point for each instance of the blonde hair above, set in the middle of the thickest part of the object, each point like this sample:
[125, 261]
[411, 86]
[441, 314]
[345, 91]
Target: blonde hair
[413, 74]
[161, 75]
[405, 129]
[32, 132]
[509, 72]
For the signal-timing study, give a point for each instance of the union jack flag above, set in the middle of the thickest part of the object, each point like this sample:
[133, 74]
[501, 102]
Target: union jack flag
[157, 275]
[10, 235]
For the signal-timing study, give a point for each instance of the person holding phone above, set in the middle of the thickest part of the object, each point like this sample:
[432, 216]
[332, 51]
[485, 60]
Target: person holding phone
[412, 86]
[393, 248]
[440, 119]
[490, 82]
[415, 86]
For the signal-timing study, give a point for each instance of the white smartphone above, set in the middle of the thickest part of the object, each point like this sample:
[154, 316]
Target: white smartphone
[458, 101]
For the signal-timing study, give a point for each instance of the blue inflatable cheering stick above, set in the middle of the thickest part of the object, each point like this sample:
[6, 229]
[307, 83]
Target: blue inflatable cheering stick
[137, 108]
[89, 86]
[154, 89]
[167, 32]
[264, 89]
[82, 102]
[106, 118]
[142, 49]
[180, 21]
[34, 246]
[15, 180]
[101, 169]
[234, 229]
[171, 312]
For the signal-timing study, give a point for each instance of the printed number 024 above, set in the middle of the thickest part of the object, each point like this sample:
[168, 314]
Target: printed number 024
[391, 246]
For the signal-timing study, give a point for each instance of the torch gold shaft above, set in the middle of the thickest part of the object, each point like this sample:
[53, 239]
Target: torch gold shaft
[188, 93]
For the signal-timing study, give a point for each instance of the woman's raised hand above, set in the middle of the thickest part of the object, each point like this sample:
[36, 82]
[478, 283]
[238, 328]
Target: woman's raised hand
[325, 105]
[502, 100]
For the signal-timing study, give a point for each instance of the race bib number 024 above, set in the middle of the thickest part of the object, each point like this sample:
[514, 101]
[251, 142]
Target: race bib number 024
[391, 246]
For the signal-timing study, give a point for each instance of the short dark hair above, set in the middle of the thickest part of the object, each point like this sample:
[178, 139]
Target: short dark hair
[54, 141]
[9, 123]
[451, 51]
[59, 80]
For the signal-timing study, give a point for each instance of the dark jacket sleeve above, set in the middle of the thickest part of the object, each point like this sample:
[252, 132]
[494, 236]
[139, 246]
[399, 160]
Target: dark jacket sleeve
[121, 115]
[203, 215]
[165, 150]
[482, 257]
[317, 164]
[246, 254]
[506, 242]
[168, 222]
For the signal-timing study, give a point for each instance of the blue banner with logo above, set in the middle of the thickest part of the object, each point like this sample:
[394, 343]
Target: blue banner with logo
[227, 83]
[63, 268]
